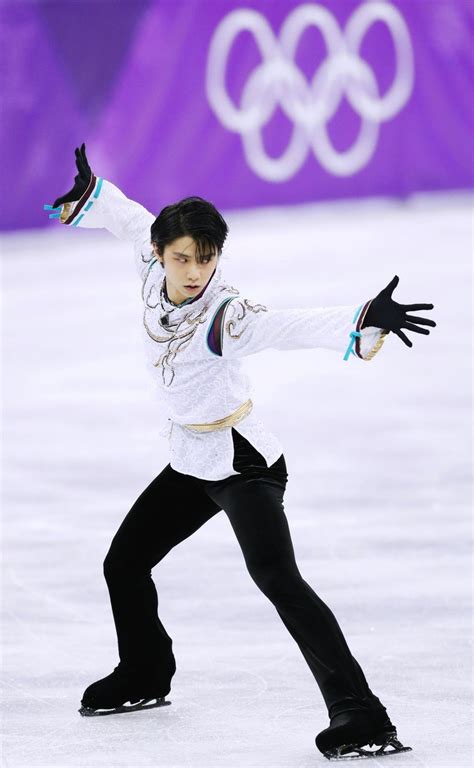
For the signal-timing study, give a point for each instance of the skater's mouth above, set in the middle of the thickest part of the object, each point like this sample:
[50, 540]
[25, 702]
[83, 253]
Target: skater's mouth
[192, 287]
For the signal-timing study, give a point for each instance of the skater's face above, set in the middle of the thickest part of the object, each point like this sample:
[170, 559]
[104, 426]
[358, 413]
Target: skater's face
[185, 275]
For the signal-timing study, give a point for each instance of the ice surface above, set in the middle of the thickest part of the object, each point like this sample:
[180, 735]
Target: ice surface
[378, 498]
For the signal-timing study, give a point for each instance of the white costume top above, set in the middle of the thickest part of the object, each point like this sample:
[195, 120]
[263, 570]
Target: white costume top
[195, 358]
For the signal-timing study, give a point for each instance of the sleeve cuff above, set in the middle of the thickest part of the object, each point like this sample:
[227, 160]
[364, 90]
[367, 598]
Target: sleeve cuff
[365, 342]
[72, 213]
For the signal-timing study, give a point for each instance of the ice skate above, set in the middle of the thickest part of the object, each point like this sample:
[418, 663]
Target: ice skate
[359, 734]
[124, 690]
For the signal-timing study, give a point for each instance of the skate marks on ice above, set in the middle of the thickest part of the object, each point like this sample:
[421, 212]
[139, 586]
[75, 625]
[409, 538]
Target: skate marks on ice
[223, 712]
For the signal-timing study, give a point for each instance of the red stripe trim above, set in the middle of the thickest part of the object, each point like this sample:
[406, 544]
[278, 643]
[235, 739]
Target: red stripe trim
[82, 200]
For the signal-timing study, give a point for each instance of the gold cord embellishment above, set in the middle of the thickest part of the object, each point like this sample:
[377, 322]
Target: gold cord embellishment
[178, 338]
[65, 212]
[377, 345]
[228, 421]
[239, 314]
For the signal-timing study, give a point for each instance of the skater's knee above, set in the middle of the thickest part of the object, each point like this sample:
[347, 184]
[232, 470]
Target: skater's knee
[117, 567]
[112, 567]
[274, 580]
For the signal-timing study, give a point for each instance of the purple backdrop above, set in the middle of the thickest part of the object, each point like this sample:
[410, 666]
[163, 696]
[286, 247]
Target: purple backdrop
[274, 104]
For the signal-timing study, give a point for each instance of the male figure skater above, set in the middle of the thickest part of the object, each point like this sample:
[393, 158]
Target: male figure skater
[196, 330]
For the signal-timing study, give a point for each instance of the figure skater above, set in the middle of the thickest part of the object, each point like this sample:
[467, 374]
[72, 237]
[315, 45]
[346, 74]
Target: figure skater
[197, 328]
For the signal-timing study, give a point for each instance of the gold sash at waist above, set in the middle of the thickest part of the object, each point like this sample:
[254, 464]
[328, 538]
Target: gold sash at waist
[228, 421]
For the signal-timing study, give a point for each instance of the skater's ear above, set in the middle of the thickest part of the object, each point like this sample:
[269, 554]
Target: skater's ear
[156, 251]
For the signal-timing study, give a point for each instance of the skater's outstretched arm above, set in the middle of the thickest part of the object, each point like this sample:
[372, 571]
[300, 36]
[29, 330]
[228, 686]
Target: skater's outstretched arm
[94, 202]
[246, 327]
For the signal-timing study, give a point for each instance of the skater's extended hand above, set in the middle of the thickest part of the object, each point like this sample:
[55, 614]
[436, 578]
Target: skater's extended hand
[386, 313]
[81, 181]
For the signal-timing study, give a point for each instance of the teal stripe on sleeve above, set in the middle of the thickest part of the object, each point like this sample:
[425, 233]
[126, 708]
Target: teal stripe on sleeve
[98, 187]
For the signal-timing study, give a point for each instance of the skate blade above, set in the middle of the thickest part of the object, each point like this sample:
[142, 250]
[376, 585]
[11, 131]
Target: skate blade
[136, 707]
[344, 752]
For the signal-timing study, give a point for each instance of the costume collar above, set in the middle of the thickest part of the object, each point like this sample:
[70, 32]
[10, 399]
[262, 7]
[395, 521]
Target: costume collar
[195, 302]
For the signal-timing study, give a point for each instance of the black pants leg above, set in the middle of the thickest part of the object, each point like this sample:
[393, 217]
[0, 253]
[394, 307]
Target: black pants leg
[253, 501]
[173, 507]
[169, 510]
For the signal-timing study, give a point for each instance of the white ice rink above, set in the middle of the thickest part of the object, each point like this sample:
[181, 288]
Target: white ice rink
[378, 498]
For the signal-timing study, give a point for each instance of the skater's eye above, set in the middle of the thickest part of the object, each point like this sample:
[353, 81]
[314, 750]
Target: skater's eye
[183, 258]
[205, 259]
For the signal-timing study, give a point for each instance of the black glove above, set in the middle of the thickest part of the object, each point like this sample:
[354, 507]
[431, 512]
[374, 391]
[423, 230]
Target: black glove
[386, 313]
[81, 181]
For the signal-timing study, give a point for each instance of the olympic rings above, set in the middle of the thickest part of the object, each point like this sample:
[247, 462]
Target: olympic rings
[277, 81]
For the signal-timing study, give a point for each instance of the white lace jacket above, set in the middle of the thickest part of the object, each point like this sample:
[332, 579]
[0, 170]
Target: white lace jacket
[195, 358]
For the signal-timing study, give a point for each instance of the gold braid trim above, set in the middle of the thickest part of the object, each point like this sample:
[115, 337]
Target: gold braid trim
[376, 346]
[228, 421]
[65, 212]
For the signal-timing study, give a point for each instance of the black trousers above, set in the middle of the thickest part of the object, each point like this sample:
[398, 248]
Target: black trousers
[172, 508]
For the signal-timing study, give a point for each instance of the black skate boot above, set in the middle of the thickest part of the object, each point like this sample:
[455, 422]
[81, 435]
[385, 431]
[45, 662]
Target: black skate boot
[143, 690]
[350, 733]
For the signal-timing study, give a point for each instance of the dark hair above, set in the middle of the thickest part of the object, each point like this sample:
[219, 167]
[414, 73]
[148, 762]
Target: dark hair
[194, 217]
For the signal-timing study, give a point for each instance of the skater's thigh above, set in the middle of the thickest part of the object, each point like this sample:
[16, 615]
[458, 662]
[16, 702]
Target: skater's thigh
[256, 512]
[169, 510]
